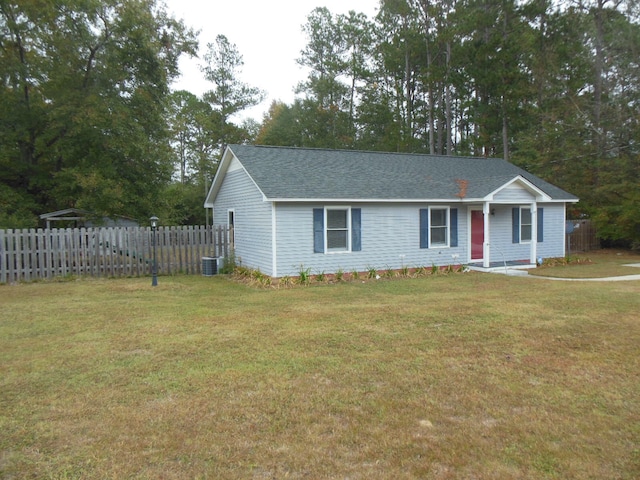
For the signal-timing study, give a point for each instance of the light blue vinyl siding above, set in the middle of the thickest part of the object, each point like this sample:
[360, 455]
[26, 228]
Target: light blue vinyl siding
[513, 194]
[554, 235]
[252, 217]
[389, 233]
[390, 238]
[501, 241]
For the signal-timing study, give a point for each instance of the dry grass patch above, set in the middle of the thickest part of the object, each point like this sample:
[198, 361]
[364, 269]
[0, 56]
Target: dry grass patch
[466, 376]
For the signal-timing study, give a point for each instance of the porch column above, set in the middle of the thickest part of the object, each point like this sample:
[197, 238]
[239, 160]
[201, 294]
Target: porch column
[534, 232]
[486, 246]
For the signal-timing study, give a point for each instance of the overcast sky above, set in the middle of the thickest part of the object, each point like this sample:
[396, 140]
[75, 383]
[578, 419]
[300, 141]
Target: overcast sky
[268, 35]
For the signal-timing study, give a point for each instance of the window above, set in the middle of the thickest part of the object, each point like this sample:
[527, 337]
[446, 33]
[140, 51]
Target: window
[231, 223]
[525, 225]
[336, 229]
[438, 227]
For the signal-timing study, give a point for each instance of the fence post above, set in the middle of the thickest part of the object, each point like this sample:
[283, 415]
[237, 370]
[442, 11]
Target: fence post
[3, 258]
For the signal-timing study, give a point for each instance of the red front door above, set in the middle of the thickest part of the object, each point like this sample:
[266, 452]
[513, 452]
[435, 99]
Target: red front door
[477, 235]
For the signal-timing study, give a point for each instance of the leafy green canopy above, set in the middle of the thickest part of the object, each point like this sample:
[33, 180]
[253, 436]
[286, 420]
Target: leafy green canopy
[83, 88]
[553, 87]
[201, 127]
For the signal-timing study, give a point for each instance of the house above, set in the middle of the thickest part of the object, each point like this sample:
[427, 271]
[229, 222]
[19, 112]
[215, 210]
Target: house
[330, 210]
[77, 217]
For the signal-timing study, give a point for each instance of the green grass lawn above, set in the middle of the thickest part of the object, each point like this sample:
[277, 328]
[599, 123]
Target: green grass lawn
[595, 264]
[462, 376]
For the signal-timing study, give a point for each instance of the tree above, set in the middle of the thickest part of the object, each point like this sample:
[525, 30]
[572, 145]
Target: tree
[230, 95]
[83, 89]
[193, 125]
[281, 126]
[325, 106]
[202, 127]
[357, 35]
[401, 48]
[551, 86]
[613, 120]
[584, 128]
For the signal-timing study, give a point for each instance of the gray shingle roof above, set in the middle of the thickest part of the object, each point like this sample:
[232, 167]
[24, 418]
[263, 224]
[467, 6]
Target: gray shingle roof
[304, 173]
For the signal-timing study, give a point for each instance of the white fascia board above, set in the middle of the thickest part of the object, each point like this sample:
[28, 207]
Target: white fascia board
[375, 200]
[526, 203]
[227, 156]
[464, 201]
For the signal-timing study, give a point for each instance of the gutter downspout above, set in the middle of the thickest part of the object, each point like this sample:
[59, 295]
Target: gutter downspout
[274, 246]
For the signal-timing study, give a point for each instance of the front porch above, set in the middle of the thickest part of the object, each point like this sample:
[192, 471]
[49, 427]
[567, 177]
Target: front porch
[506, 234]
[507, 267]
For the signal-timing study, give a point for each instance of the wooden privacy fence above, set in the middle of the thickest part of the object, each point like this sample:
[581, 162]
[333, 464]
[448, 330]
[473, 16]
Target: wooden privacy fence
[583, 236]
[34, 254]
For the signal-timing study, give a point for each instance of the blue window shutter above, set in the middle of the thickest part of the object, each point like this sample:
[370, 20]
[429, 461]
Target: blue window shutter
[318, 230]
[540, 224]
[453, 218]
[516, 224]
[424, 228]
[356, 243]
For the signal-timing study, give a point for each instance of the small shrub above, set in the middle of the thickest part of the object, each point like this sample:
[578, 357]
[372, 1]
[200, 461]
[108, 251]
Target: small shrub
[243, 271]
[253, 277]
[389, 273]
[304, 275]
[339, 276]
[372, 272]
[404, 271]
[355, 275]
[229, 263]
[554, 261]
[421, 271]
[320, 277]
[258, 277]
[563, 261]
[434, 269]
[286, 281]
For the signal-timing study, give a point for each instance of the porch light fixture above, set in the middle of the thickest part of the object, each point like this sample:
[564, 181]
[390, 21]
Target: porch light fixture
[493, 212]
[154, 266]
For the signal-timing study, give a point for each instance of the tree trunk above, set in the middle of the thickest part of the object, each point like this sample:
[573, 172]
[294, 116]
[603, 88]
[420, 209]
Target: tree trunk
[597, 89]
[447, 103]
[505, 132]
[432, 147]
[408, 96]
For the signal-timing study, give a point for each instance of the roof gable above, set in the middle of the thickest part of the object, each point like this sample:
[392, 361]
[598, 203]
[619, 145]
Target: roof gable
[229, 163]
[513, 188]
[303, 174]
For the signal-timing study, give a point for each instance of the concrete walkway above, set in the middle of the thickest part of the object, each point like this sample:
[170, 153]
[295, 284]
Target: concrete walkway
[524, 273]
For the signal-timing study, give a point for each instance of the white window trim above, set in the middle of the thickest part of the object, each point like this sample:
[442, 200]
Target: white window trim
[447, 236]
[522, 241]
[327, 250]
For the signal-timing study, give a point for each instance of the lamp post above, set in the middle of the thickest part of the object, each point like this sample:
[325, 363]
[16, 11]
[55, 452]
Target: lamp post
[154, 267]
